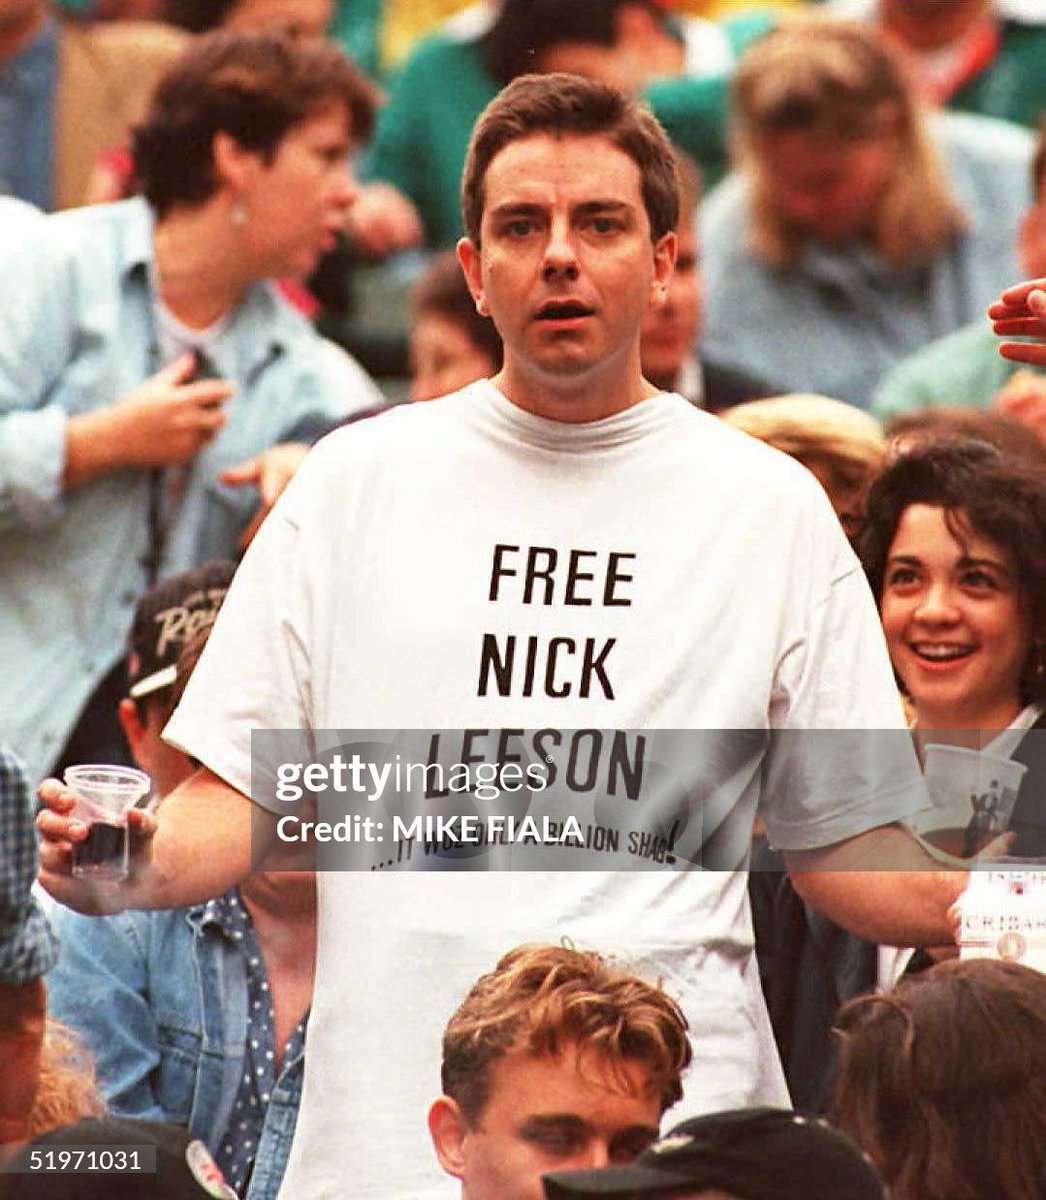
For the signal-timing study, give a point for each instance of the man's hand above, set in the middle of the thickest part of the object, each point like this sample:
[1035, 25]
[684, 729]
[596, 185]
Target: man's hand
[199, 846]
[271, 471]
[1024, 399]
[164, 422]
[382, 220]
[1021, 312]
[60, 831]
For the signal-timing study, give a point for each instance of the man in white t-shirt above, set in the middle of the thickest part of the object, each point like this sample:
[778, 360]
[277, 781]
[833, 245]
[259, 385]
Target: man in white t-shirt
[562, 548]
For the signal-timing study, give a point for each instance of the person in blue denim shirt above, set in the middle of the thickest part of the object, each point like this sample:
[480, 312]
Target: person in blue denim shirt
[195, 1015]
[144, 355]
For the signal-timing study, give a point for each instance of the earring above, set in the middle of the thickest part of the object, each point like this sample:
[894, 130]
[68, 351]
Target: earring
[238, 215]
[1038, 660]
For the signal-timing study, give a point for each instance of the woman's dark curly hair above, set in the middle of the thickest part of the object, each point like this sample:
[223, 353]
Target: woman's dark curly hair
[999, 497]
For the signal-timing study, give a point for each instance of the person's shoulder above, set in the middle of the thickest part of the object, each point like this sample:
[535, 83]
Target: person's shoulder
[733, 451]
[978, 141]
[89, 234]
[739, 478]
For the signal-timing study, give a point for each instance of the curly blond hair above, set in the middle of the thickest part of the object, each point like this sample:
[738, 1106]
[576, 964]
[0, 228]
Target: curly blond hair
[542, 999]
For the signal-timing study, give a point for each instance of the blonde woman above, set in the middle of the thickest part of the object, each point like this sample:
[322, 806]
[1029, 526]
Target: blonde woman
[852, 232]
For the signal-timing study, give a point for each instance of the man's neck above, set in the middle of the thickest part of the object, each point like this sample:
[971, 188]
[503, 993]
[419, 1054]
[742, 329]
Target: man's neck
[17, 31]
[592, 396]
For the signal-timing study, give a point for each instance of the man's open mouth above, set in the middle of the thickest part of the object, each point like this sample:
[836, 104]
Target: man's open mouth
[563, 310]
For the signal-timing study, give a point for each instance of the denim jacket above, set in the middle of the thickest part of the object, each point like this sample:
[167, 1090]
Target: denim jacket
[161, 999]
[77, 311]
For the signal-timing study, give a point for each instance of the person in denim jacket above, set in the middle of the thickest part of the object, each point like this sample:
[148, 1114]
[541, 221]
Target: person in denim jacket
[195, 1015]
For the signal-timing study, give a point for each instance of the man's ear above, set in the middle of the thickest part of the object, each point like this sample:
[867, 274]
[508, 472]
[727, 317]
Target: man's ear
[447, 1128]
[133, 728]
[665, 249]
[472, 264]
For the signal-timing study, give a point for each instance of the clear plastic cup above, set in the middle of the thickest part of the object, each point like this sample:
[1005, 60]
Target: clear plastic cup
[104, 794]
[973, 795]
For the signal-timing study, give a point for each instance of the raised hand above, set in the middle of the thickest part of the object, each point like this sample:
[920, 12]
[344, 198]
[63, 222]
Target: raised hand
[164, 422]
[1021, 312]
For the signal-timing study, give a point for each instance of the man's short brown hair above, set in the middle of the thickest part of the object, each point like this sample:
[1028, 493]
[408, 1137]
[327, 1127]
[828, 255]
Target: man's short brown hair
[254, 87]
[567, 105]
[540, 999]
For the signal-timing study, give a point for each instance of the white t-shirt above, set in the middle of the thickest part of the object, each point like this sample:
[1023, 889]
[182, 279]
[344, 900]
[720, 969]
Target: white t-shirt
[364, 603]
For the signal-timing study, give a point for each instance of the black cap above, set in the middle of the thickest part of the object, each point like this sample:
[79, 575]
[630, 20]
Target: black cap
[169, 615]
[754, 1154]
[185, 1169]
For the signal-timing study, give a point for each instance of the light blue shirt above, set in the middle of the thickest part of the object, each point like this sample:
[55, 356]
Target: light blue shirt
[27, 90]
[77, 314]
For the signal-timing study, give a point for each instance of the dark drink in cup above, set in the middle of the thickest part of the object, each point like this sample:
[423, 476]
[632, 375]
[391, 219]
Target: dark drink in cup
[104, 794]
[103, 854]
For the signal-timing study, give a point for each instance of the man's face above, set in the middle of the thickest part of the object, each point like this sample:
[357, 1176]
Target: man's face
[670, 329]
[551, 1114]
[828, 189]
[566, 269]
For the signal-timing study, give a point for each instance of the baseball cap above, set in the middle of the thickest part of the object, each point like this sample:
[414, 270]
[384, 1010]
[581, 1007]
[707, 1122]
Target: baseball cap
[185, 1169]
[755, 1154]
[167, 617]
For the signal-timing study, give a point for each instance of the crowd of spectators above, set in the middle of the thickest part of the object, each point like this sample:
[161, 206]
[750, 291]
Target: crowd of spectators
[203, 209]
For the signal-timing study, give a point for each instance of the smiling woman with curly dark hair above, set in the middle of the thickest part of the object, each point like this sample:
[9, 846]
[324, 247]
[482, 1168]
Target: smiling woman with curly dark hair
[954, 547]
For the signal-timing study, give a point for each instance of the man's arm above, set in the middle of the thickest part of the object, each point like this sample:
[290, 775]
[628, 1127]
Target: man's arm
[880, 885]
[196, 847]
